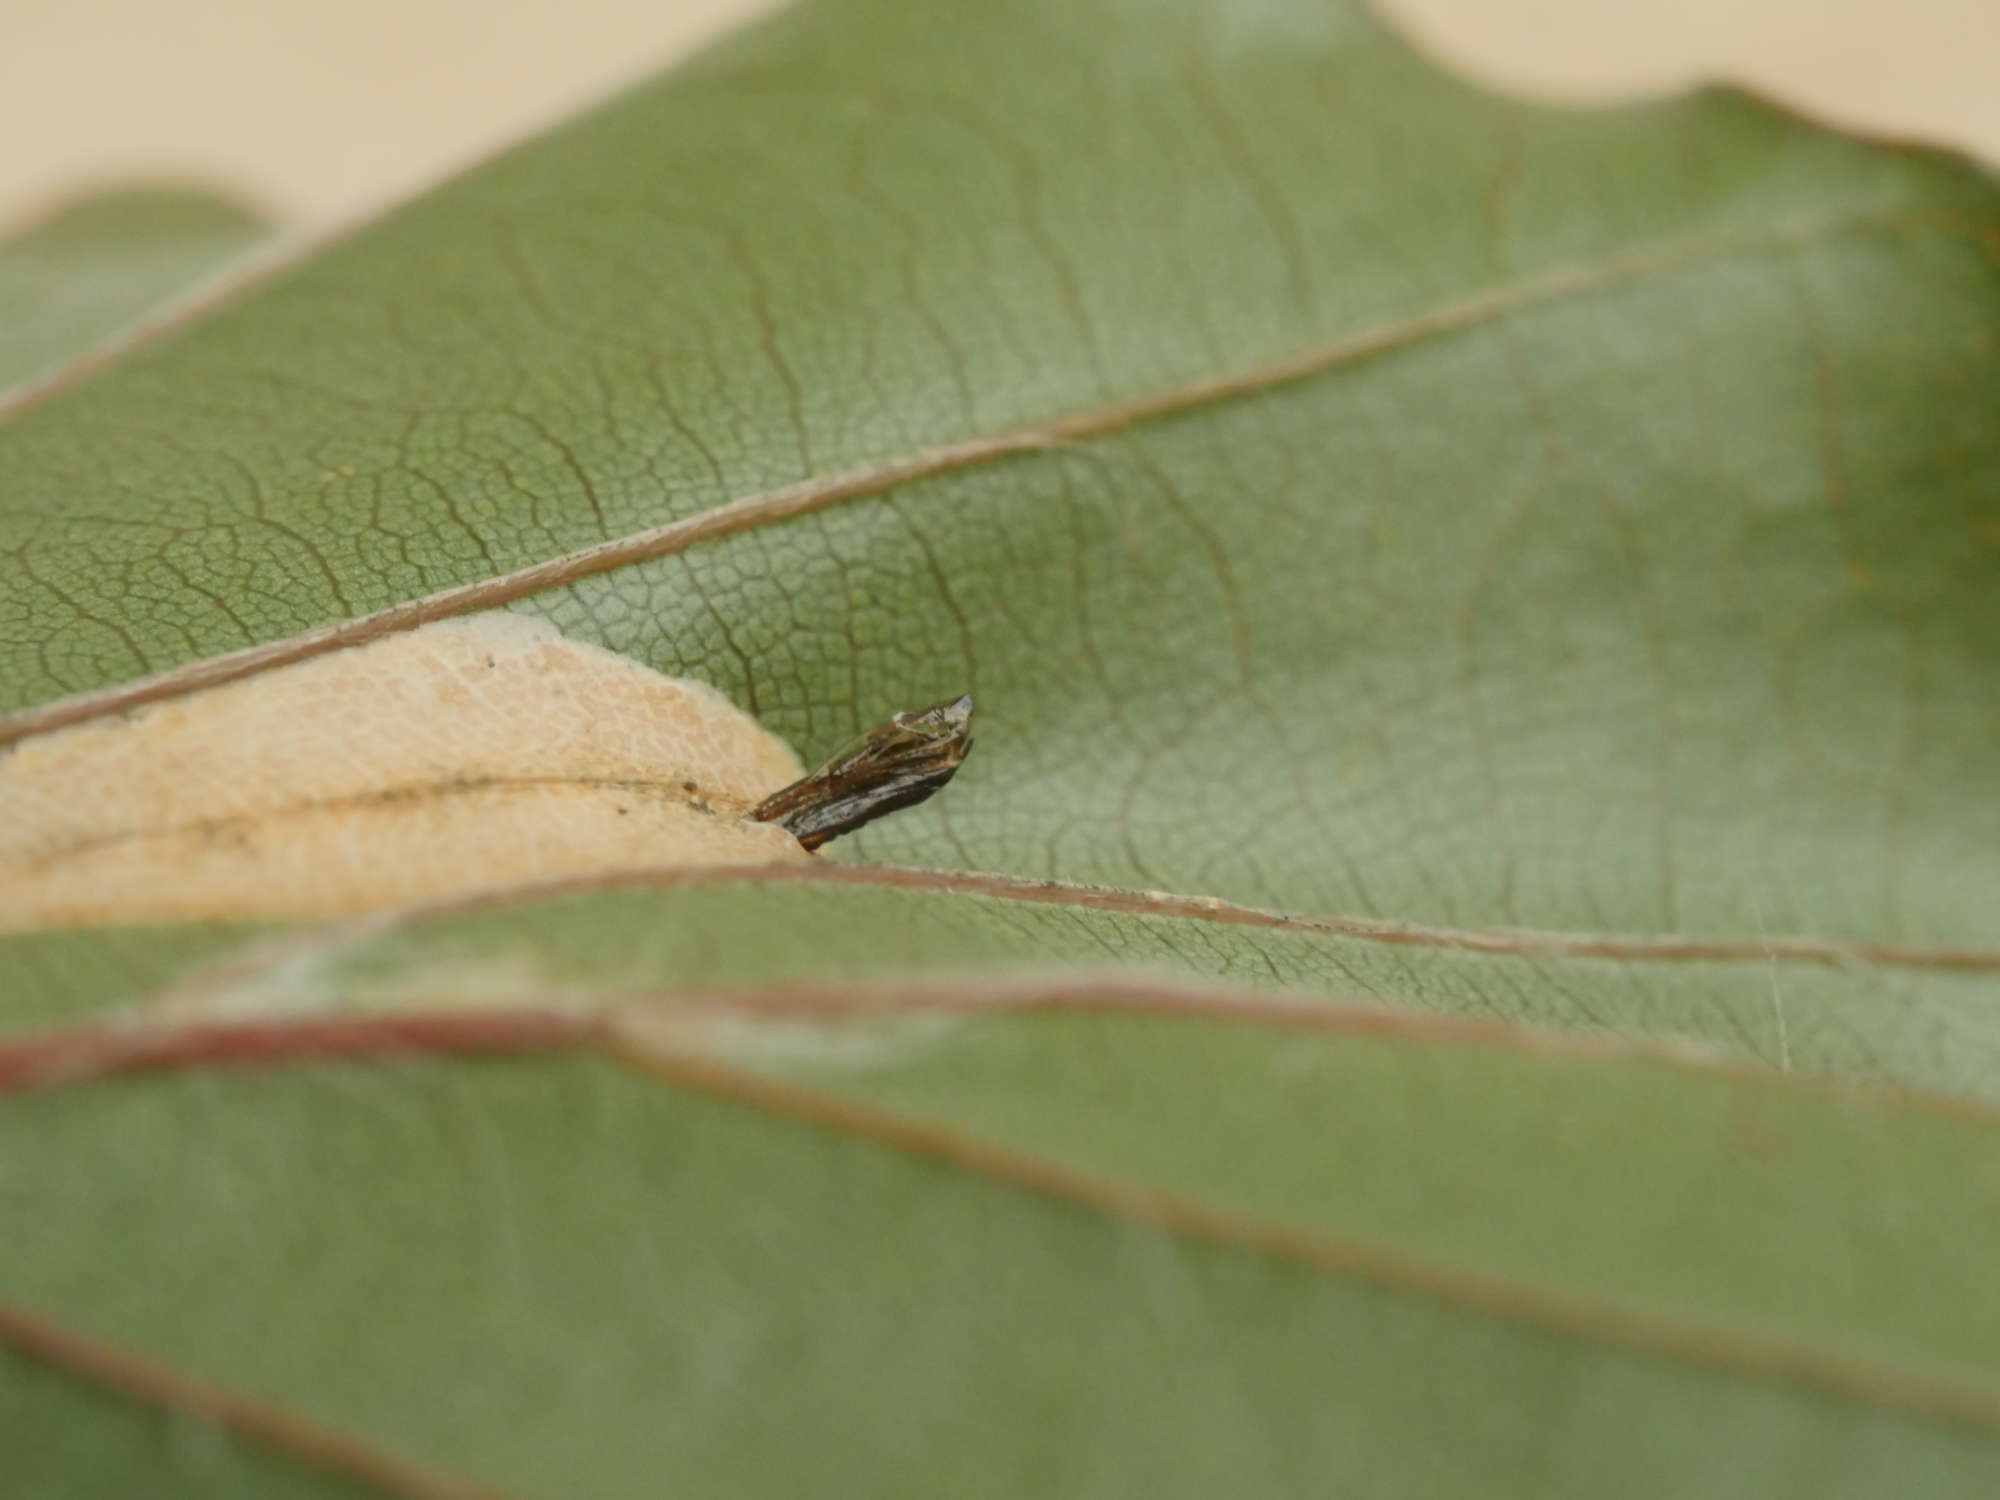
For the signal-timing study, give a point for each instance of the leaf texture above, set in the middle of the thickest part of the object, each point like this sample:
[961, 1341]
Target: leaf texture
[1465, 961]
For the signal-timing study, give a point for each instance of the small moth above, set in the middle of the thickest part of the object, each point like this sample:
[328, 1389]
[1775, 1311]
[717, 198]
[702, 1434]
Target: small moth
[892, 766]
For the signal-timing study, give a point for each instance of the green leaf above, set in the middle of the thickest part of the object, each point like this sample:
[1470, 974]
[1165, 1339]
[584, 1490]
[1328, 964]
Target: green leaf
[564, 1278]
[1484, 622]
[63, 1442]
[88, 269]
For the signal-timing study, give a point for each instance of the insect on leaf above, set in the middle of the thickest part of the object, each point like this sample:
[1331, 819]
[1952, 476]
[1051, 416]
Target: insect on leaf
[894, 765]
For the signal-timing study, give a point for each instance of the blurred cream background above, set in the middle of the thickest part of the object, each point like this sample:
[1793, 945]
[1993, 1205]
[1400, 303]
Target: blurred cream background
[320, 110]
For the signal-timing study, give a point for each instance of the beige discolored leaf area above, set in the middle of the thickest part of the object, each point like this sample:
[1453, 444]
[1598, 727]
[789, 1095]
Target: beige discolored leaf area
[463, 756]
[1464, 963]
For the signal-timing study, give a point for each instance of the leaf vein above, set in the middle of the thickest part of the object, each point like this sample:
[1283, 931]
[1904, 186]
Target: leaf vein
[816, 493]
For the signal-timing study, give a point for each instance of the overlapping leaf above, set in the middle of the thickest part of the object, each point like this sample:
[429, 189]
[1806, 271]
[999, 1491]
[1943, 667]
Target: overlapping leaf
[88, 268]
[1412, 548]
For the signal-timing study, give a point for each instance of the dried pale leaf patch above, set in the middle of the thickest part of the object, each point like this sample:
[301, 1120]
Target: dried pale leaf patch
[465, 755]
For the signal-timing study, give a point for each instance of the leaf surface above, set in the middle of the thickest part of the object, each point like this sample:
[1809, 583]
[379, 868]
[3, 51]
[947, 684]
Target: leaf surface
[1483, 621]
[87, 269]
[684, 1279]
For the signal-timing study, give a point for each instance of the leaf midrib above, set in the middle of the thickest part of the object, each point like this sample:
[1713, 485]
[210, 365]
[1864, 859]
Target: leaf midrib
[803, 497]
[434, 789]
[628, 1032]
[1535, 944]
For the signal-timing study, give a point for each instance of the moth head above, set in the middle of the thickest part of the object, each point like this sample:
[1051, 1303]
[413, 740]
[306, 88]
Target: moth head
[941, 728]
[933, 739]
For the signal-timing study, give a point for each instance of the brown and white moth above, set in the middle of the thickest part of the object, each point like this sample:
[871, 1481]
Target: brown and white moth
[894, 765]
